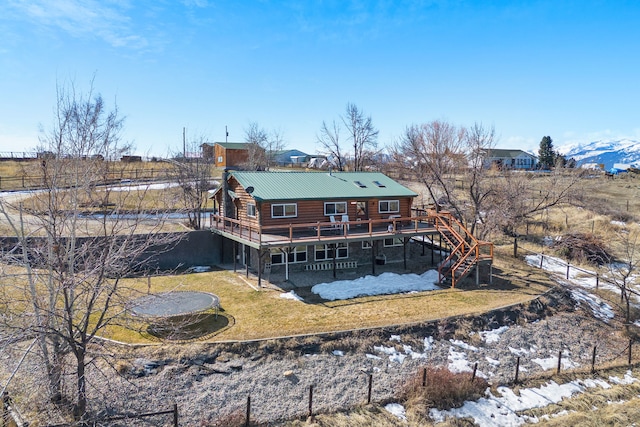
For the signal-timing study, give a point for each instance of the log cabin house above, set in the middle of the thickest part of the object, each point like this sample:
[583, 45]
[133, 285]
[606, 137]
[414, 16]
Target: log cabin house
[306, 221]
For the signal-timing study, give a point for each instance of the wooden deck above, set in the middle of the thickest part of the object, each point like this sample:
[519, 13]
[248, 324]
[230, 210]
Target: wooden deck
[322, 232]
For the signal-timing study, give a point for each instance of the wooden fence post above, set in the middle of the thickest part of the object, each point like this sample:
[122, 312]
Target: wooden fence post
[593, 360]
[597, 280]
[311, 401]
[424, 377]
[247, 419]
[370, 387]
[475, 369]
[568, 267]
[630, 347]
[559, 361]
[175, 415]
[541, 259]
[517, 369]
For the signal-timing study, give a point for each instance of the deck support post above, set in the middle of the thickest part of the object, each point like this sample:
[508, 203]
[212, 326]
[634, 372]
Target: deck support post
[373, 258]
[235, 256]
[404, 251]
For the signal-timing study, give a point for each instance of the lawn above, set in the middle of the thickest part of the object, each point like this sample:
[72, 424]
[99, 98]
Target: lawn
[249, 314]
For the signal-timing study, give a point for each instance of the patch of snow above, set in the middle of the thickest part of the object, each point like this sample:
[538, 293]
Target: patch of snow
[384, 284]
[502, 409]
[600, 309]
[396, 410]
[463, 345]
[291, 295]
[395, 338]
[458, 361]
[338, 353]
[493, 335]
[626, 380]
[552, 362]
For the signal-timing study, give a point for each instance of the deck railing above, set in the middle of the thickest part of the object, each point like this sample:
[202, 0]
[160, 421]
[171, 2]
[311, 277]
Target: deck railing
[320, 229]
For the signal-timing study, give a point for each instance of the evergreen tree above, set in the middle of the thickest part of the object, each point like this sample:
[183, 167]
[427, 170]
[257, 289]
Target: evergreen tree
[546, 155]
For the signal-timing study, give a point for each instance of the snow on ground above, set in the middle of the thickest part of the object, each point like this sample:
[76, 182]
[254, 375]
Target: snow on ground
[397, 410]
[502, 409]
[601, 309]
[551, 362]
[291, 295]
[588, 280]
[384, 284]
[493, 335]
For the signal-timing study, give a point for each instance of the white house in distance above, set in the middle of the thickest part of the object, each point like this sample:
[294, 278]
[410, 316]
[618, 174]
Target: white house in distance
[510, 159]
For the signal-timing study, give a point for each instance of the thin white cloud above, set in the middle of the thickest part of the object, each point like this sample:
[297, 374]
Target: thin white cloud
[107, 20]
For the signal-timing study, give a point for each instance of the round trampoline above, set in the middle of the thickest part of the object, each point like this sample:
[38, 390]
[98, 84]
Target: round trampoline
[174, 304]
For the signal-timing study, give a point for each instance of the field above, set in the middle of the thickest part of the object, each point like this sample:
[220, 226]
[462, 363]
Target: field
[250, 314]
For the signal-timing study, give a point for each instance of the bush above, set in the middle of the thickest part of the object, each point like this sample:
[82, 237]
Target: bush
[443, 389]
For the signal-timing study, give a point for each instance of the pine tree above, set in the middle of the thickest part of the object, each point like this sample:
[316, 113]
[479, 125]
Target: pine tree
[546, 155]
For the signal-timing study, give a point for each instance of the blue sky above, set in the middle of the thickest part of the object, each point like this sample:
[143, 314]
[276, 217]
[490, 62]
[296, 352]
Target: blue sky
[568, 69]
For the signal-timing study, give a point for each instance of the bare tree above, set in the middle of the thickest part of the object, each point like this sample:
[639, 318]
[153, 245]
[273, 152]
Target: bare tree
[363, 135]
[330, 143]
[194, 176]
[69, 257]
[433, 152]
[476, 182]
[262, 146]
[624, 271]
[518, 197]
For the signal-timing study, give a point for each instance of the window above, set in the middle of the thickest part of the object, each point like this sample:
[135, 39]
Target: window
[335, 208]
[395, 241]
[285, 210]
[251, 210]
[220, 158]
[296, 254]
[388, 206]
[361, 208]
[360, 184]
[379, 184]
[366, 244]
[324, 252]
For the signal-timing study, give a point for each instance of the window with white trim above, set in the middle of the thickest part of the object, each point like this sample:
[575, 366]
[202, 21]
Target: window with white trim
[251, 210]
[324, 252]
[394, 241]
[284, 210]
[296, 254]
[335, 208]
[389, 206]
[366, 244]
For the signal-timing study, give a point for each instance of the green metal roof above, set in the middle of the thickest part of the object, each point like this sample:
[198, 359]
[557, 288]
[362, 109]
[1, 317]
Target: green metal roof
[233, 145]
[320, 185]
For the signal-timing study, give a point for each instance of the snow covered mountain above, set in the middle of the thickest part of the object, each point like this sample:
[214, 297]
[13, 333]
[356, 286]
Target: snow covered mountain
[609, 152]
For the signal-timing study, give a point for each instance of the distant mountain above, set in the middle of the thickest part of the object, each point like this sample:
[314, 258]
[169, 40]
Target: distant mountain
[607, 152]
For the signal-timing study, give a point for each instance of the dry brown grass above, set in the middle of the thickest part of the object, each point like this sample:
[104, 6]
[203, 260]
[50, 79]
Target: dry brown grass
[437, 387]
[257, 314]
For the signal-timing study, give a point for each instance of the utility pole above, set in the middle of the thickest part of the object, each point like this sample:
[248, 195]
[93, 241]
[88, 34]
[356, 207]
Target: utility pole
[226, 134]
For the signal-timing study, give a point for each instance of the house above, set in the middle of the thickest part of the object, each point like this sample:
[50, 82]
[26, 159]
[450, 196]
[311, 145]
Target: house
[226, 154]
[510, 159]
[305, 221]
[289, 157]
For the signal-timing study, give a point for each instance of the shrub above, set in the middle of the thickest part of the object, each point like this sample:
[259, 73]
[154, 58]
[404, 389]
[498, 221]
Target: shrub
[443, 389]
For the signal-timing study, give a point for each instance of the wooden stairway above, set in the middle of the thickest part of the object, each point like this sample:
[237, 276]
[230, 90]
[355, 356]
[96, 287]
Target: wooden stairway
[466, 252]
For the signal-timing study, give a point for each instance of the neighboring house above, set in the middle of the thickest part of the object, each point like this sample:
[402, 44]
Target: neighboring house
[289, 158]
[510, 159]
[226, 154]
[305, 221]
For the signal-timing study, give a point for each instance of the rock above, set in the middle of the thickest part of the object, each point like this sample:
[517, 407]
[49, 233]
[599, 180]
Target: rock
[288, 373]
